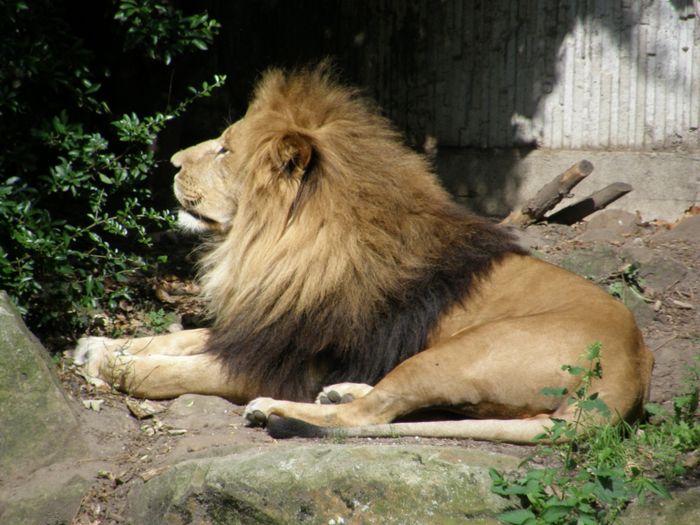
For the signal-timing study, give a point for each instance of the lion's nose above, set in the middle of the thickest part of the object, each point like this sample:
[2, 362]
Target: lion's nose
[177, 159]
[193, 154]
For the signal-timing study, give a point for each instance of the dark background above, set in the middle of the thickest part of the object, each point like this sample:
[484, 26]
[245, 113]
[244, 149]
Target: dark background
[455, 71]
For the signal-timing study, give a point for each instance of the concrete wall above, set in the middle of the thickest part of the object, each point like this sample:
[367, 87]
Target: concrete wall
[508, 93]
[602, 74]
[493, 182]
[513, 92]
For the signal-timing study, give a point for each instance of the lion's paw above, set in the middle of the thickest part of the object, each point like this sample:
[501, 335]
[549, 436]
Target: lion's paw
[89, 354]
[342, 393]
[258, 411]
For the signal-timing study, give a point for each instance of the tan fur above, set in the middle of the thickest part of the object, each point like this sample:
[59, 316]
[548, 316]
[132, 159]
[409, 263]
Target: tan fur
[313, 200]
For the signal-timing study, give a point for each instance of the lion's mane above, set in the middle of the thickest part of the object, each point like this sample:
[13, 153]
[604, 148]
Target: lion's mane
[341, 273]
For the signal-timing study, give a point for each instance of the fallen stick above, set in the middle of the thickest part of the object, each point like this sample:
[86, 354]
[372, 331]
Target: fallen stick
[550, 195]
[594, 202]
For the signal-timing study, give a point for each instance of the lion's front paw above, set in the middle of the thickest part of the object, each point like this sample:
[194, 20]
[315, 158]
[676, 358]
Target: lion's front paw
[342, 393]
[258, 411]
[90, 354]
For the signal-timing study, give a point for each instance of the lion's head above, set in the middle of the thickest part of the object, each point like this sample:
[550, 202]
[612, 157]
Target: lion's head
[311, 182]
[330, 230]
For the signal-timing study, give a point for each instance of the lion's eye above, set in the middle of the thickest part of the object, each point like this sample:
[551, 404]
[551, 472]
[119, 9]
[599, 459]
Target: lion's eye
[222, 151]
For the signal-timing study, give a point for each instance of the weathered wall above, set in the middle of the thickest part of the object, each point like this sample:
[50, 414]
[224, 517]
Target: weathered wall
[552, 73]
[601, 74]
[506, 88]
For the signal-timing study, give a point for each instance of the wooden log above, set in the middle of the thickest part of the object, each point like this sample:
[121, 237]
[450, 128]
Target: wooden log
[594, 202]
[549, 195]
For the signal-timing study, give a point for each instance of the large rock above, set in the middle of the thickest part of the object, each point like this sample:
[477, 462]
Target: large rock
[38, 426]
[37, 423]
[326, 483]
[596, 263]
[50, 502]
[682, 509]
[601, 264]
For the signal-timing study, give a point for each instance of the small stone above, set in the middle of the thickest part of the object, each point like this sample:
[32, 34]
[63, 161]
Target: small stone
[610, 225]
[683, 305]
[93, 404]
[144, 409]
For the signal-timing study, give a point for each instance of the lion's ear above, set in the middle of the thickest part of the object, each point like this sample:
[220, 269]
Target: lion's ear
[293, 154]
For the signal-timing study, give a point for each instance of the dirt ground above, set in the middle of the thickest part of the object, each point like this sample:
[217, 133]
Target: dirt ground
[127, 448]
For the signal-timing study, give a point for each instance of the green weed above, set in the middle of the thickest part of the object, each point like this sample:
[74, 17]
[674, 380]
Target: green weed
[600, 468]
[627, 285]
[159, 320]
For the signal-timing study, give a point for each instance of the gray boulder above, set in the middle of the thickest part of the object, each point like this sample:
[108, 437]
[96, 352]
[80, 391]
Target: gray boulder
[326, 483]
[38, 426]
[682, 509]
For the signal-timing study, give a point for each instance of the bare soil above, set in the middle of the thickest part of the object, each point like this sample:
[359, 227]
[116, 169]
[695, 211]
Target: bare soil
[126, 448]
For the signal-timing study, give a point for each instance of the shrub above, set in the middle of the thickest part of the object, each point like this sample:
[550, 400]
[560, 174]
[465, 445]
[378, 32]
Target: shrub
[600, 468]
[75, 204]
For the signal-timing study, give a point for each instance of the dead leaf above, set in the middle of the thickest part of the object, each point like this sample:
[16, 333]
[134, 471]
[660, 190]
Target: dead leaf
[163, 296]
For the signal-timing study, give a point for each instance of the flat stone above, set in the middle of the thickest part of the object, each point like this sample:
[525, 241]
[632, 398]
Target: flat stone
[657, 270]
[682, 509]
[530, 238]
[325, 483]
[597, 263]
[686, 230]
[610, 225]
[50, 503]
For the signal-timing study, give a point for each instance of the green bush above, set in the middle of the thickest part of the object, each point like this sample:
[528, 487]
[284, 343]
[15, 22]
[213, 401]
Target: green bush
[599, 468]
[75, 203]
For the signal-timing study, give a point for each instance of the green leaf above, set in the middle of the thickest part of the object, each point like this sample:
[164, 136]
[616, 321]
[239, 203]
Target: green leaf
[554, 392]
[587, 520]
[593, 351]
[518, 517]
[555, 513]
[200, 44]
[594, 403]
[573, 370]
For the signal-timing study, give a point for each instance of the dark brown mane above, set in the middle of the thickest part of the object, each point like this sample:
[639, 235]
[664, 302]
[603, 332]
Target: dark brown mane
[406, 251]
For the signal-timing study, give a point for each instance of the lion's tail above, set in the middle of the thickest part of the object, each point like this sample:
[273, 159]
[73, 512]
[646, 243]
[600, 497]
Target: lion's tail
[521, 431]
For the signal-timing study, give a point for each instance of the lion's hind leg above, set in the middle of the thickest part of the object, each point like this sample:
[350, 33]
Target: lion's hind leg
[518, 431]
[526, 431]
[286, 419]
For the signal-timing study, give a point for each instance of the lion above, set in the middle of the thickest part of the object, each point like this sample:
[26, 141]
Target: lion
[339, 264]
